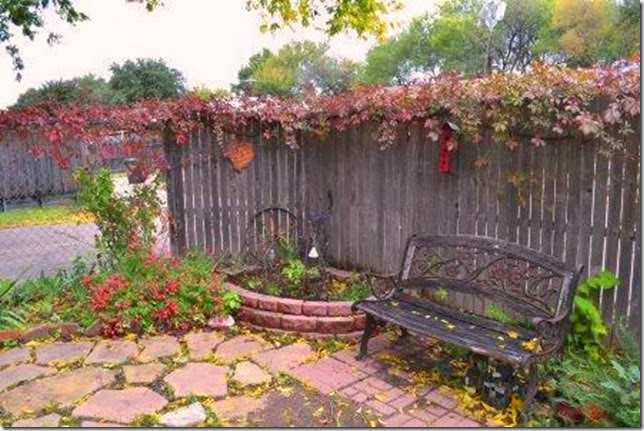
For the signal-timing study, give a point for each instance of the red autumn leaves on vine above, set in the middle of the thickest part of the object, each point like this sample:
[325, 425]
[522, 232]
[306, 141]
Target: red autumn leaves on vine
[546, 101]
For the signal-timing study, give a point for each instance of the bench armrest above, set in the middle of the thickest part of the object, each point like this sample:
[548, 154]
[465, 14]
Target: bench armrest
[383, 286]
[552, 333]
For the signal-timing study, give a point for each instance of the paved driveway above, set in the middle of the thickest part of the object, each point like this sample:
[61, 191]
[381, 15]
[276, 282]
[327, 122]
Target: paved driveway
[27, 251]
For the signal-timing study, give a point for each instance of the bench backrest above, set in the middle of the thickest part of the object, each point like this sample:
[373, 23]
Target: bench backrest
[521, 281]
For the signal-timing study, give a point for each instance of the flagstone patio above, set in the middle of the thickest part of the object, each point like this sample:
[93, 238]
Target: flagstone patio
[208, 378]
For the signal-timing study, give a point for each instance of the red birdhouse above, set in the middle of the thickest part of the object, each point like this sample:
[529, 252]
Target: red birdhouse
[447, 145]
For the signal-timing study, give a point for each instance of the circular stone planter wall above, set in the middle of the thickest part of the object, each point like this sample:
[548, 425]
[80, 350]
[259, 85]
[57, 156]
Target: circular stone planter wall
[313, 319]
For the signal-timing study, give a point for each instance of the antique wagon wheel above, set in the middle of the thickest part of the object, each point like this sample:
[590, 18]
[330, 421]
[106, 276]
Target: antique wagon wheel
[270, 233]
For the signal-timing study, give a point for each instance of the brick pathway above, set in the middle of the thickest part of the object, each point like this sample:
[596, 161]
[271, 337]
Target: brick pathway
[201, 378]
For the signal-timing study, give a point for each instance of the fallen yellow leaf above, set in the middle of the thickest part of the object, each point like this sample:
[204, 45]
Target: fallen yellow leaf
[513, 334]
[531, 345]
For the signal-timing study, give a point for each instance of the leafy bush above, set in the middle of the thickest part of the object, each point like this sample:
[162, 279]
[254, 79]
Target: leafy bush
[294, 271]
[8, 318]
[148, 292]
[126, 222]
[495, 312]
[607, 391]
[352, 289]
[56, 297]
[588, 328]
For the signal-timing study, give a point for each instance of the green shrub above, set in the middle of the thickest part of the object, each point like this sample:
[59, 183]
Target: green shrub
[8, 318]
[56, 297]
[126, 222]
[607, 391]
[588, 329]
[495, 312]
[232, 301]
[294, 271]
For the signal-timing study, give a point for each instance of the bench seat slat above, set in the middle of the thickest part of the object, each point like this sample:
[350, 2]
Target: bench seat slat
[468, 318]
[478, 339]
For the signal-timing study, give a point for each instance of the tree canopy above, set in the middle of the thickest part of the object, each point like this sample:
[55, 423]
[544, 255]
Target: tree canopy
[574, 32]
[297, 69]
[131, 81]
[85, 90]
[146, 79]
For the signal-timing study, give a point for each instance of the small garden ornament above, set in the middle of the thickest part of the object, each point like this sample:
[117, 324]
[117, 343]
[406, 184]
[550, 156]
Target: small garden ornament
[240, 154]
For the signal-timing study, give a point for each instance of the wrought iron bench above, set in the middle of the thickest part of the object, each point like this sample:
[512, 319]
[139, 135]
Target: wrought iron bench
[496, 299]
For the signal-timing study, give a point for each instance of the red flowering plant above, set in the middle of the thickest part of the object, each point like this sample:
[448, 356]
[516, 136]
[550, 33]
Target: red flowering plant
[155, 293]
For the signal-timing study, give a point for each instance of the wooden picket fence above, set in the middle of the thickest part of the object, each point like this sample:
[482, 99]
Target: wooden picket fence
[564, 199]
[25, 176]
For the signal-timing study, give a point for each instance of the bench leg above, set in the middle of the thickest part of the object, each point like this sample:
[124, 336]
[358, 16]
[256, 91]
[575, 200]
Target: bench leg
[531, 391]
[368, 329]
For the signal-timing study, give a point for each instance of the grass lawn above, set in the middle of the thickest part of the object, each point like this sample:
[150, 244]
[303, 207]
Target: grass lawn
[49, 215]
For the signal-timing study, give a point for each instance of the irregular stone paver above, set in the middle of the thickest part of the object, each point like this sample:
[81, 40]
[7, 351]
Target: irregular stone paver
[22, 373]
[13, 356]
[239, 346]
[285, 358]
[454, 420]
[235, 407]
[120, 405]
[112, 352]
[248, 374]
[158, 347]
[201, 344]
[367, 365]
[48, 421]
[62, 389]
[62, 352]
[189, 416]
[199, 378]
[92, 424]
[144, 374]
[328, 374]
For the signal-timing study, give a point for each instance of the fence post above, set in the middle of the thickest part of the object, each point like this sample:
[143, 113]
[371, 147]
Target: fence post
[174, 189]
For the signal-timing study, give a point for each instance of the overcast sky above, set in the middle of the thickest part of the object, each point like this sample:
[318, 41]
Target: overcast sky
[208, 40]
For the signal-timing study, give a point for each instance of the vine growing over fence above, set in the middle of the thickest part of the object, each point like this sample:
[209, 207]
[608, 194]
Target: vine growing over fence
[546, 102]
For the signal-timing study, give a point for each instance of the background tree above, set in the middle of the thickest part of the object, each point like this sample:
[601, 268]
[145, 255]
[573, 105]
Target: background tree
[627, 32]
[396, 60]
[247, 71]
[298, 68]
[365, 17]
[206, 93]
[591, 31]
[575, 32]
[84, 90]
[145, 79]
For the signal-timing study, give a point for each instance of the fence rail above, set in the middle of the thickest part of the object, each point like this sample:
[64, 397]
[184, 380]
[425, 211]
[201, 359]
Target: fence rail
[565, 199]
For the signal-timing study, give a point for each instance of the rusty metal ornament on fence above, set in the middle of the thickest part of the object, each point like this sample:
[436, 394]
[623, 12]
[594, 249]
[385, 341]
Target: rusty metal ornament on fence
[240, 154]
